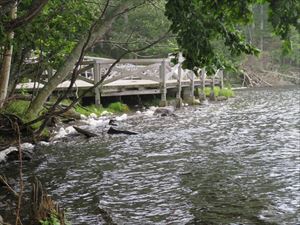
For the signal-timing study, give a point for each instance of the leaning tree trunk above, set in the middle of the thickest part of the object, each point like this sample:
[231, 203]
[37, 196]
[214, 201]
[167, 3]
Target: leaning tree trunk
[103, 25]
[6, 64]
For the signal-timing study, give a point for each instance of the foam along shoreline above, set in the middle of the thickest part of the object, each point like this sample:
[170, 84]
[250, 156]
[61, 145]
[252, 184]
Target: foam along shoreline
[91, 122]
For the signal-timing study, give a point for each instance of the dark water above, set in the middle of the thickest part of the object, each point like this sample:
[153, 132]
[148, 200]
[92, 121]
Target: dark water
[235, 162]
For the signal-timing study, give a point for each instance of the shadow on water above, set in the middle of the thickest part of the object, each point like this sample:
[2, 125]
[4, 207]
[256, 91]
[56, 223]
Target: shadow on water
[235, 162]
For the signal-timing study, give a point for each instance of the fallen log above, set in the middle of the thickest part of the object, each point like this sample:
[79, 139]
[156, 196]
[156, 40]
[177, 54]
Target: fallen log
[86, 133]
[112, 130]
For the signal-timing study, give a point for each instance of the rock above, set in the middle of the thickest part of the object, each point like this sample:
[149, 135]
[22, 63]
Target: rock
[86, 133]
[112, 122]
[115, 131]
[221, 98]
[14, 155]
[165, 111]
[71, 113]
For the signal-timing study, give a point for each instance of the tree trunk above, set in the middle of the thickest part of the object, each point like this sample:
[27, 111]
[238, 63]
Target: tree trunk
[261, 27]
[6, 64]
[99, 31]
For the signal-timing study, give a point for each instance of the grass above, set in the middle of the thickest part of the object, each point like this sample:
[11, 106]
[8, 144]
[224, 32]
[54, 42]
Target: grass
[227, 92]
[116, 107]
[89, 110]
[17, 107]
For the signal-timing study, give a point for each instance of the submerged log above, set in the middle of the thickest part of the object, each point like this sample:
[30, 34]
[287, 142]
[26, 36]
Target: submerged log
[86, 133]
[115, 131]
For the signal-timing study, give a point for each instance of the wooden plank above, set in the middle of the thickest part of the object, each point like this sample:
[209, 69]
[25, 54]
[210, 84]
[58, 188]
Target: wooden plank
[85, 69]
[132, 61]
[85, 79]
[131, 92]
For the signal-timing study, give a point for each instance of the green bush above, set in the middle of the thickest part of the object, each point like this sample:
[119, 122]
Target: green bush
[89, 110]
[118, 107]
[227, 92]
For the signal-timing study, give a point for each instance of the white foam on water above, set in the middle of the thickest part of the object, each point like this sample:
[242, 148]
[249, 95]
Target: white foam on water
[121, 118]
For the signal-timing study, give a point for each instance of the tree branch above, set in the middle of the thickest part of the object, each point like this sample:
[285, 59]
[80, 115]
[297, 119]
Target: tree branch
[34, 10]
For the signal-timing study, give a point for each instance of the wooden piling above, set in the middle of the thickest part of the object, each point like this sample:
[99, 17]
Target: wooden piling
[221, 77]
[163, 84]
[179, 87]
[212, 96]
[192, 87]
[97, 77]
[202, 95]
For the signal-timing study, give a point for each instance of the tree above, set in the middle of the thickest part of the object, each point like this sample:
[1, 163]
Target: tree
[197, 24]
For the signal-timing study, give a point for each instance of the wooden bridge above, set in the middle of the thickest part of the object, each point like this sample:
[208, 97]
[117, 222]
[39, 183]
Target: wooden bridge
[137, 77]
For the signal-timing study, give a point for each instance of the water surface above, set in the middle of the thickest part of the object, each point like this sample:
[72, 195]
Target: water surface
[234, 162]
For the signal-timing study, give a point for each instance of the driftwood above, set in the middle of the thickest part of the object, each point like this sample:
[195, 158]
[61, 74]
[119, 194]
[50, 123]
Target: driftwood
[86, 133]
[114, 131]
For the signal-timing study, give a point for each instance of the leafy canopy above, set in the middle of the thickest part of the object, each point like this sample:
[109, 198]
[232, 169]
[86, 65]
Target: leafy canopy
[199, 23]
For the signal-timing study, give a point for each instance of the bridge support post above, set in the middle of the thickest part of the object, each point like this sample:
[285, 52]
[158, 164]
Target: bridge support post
[163, 84]
[221, 79]
[202, 95]
[212, 96]
[97, 77]
[191, 99]
[179, 88]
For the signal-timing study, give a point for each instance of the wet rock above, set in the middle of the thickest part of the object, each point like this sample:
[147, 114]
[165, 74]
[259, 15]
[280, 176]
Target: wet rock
[14, 155]
[165, 111]
[115, 131]
[221, 98]
[86, 133]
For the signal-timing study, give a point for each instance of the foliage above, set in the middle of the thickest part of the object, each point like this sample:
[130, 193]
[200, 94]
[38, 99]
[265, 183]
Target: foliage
[135, 30]
[87, 110]
[53, 220]
[17, 107]
[227, 92]
[115, 107]
[199, 23]
[118, 107]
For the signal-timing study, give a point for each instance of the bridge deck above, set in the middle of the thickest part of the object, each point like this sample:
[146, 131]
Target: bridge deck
[119, 87]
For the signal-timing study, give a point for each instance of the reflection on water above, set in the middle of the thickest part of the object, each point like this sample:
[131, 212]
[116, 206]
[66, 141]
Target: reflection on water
[235, 162]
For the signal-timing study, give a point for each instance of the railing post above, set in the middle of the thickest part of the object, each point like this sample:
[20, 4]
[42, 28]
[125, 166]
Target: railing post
[178, 95]
[163, 84]
[97, 77]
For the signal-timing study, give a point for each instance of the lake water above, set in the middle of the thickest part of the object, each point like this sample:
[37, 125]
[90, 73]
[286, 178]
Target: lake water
[233, 162]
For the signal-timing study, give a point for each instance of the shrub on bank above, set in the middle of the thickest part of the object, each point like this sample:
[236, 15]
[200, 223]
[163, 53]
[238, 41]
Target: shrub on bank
[87, 110]
[227, 92]
[117, 107]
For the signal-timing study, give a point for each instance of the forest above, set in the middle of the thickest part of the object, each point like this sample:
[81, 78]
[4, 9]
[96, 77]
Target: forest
[255, 43]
